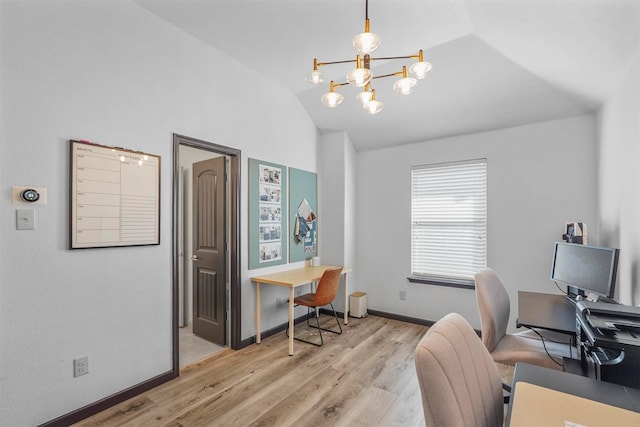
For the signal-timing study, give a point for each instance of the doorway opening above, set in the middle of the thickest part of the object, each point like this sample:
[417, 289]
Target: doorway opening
[206, 253]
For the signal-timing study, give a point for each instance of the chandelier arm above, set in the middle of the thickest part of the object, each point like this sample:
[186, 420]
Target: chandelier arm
[396, 57]
[336, 62]
[347, 61]
[397, 73]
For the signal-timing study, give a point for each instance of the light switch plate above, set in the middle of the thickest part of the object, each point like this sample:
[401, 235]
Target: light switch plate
[25, 219]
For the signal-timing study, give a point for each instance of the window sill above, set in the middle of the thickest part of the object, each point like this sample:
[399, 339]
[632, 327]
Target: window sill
[442, 282]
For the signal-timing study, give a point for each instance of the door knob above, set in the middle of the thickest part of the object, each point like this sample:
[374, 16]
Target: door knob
[195, 258]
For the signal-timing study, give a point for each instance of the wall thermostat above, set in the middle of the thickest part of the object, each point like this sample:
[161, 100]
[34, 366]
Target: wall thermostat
[30, 195]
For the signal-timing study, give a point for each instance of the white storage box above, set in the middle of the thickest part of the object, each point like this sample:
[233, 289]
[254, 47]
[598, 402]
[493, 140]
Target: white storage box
[358, 304]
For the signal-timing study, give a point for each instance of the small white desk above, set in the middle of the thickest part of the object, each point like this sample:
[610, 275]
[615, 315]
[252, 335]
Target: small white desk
[292, 279]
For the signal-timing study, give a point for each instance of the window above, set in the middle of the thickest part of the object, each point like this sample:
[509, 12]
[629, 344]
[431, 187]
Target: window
[448, 222]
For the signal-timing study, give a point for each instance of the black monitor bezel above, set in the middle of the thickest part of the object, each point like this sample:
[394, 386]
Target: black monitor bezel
[613, 270]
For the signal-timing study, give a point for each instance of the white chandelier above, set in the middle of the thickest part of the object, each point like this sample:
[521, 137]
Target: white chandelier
[361, 76]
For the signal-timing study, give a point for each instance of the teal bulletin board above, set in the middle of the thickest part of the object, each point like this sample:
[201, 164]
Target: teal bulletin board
[303, 186]
[267, 214]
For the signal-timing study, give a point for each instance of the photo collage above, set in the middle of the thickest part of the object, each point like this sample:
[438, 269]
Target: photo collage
[270, 223]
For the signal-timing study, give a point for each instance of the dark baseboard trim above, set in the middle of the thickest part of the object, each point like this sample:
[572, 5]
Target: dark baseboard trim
[276, 329]
[402, 318]
[414, 320]
[107, 402]
[283, 327]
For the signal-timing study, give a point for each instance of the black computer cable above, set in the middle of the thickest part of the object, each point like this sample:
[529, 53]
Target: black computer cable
[544, 345]
[566, 293]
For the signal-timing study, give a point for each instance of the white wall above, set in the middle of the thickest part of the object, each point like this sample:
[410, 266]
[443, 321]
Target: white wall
[337, 207]
[115, 74]
[539, 176]
[619, 178]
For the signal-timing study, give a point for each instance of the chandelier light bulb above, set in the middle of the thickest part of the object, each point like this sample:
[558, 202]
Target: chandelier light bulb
[316, 77]
[359, 76]
[331, 99]
[366, 42]
[365, 96]
[405, 85]
[420, 68]
[373, 106]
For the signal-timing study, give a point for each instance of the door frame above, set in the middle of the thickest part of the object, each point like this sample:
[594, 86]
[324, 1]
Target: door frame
[235, 158]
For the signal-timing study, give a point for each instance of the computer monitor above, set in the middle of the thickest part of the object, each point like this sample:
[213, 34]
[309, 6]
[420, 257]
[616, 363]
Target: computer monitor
[592, 269]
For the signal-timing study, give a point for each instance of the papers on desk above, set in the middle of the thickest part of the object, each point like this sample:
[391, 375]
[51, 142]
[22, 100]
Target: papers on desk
[539, 406]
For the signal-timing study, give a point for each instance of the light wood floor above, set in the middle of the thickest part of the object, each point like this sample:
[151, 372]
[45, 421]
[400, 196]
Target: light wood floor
[364, 377]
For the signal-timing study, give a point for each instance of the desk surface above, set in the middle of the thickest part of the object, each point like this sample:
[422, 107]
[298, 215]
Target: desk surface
[573, 390]
[296, 277]
[541, 406]
[546, 311]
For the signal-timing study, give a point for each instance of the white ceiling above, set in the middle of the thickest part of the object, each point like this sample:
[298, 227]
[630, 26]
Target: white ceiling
[496, 63]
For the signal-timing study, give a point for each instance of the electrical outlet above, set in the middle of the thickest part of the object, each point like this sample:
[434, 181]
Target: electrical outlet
[403, 295]
[81, 366]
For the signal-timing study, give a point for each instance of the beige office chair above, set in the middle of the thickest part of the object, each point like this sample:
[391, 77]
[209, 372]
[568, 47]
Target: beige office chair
[324, 295]
[459, 382]
[494, 307]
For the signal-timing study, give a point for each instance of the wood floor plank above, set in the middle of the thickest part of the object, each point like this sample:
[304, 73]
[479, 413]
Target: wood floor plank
[209, 384]
[407, 410]
[372, 404]
[261, 392]
[366, 376]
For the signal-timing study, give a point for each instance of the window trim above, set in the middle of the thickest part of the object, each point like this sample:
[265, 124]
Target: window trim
[444, 282]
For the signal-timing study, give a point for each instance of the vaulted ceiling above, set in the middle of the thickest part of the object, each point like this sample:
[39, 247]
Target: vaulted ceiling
[496, 63]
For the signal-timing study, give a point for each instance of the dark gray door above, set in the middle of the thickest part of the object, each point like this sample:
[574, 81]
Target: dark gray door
[209, 264]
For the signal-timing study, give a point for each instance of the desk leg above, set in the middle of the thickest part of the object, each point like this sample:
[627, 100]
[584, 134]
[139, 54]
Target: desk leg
[258, 313]
[346, 301]
[291, 321]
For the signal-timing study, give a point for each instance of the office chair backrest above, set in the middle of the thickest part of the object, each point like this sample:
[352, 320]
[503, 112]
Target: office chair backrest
[494, 307]
[328, 286]
[459, 382]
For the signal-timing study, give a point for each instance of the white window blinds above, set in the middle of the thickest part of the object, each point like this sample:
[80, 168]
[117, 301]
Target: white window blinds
[449, 221]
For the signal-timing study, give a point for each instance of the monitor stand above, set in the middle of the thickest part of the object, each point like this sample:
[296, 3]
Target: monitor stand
[592, 297]
[598, 298]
